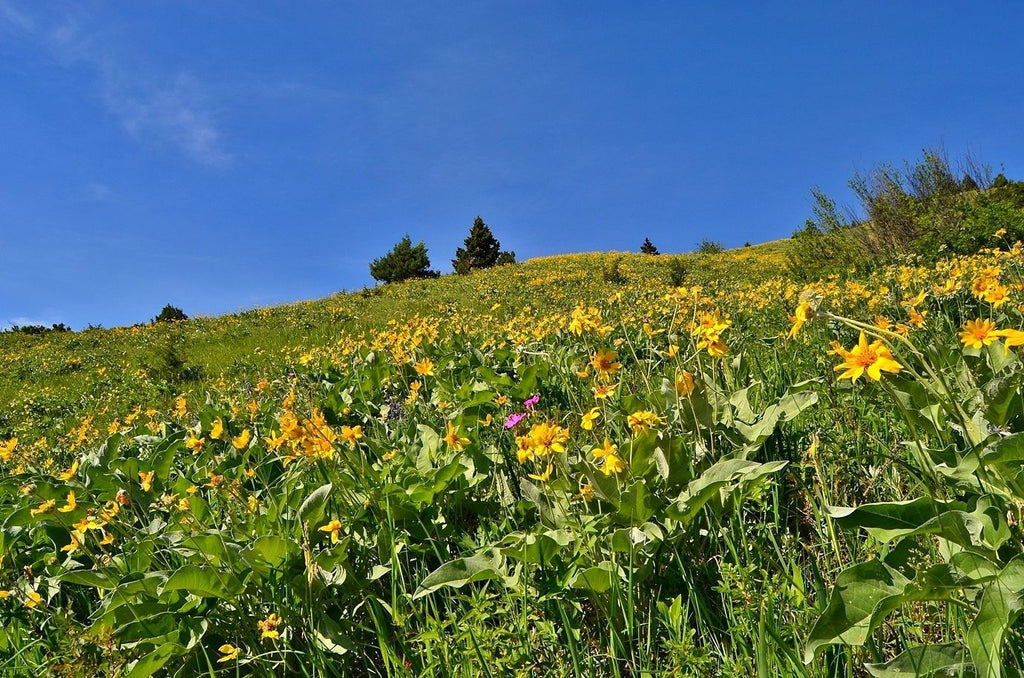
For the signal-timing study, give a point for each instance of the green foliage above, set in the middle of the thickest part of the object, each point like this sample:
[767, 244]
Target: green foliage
[648, 247]
[482, 250]
[403, 262]
[168, 363]
[612, 271]
[678, 270]
[170, 314]
[707, 246]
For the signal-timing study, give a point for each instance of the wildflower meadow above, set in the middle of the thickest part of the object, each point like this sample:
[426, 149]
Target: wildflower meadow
[531, 470]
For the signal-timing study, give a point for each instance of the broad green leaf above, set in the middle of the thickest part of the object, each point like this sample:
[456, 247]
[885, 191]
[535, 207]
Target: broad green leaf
[714, 480]
[312, 508]
[151, 663]
[598, 579]
[205, 582]
[867, 592]
[983, 527]
[1001, 603]
[93, 578]
[536, 548]
[924, 661]
[457, 573]
[859, 593]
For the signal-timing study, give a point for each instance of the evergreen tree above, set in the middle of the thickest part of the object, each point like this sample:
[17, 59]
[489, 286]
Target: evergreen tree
[482, 250]
[403, 262]
[648, 247]
[968, 184]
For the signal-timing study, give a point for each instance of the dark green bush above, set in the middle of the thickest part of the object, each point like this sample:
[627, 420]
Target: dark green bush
[402, 263]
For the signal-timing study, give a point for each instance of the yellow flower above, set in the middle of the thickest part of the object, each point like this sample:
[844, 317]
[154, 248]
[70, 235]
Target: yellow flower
[588, 419]
[716, 347]
[454, 440]
[606, 450]
[70, 504]
[424, 367]
[602, 391]
[544, 477]
[7, 449]
[684, 384]
[228, 651]
[643, 420]
[70, 473]
[45, 507]
[334, 527]
[604, 363]
[612, 464]
[241, 441]
[76, 542]
[269, 627]
[180, 407]
[547, 438]
[351, 434]
[801, 315]
[873, 359]
[193, 443]
[217, 429]
[33, 599]
[1013, 337]
[995, 295]
[146, 480]
[977, 333]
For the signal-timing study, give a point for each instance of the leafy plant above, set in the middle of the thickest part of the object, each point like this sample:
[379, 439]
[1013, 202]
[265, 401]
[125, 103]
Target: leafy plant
[403, 262]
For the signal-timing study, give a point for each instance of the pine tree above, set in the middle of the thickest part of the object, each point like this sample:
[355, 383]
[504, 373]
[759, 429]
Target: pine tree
[403, 262]
[648, 247]
[482, 250]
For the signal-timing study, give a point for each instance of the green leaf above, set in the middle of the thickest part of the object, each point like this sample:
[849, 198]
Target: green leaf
[1001, 602]
[860, 593]
[205, 582]
[887, 521]
[489, 564]
[312, 508]
[154, 661]
[536, 548]
[93, 578]
[598, 579]
[867, 592]
[715, 480]
[924, 661]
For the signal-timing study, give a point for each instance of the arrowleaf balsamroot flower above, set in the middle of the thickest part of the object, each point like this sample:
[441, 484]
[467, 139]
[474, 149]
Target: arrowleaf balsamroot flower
[146, 480]
[334, 527]
[269, 627]
[804, 312]
[871, 358]
[228, 651]
[604, 363]
[643, 420]
[977, 333]
[1013, 337]
[454, 440]
[588, 419]
[241, 441]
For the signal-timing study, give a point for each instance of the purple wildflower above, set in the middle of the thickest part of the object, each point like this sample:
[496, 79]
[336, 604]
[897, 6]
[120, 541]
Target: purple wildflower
[514, 419]
[533, 400]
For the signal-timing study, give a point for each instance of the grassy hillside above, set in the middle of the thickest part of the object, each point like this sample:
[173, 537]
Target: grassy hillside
[565, 467]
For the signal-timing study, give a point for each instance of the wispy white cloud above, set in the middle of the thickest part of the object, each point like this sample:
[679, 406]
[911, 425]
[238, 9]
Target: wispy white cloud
[154, 106]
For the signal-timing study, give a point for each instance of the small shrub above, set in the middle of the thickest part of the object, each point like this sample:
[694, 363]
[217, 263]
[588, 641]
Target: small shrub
[678, 270]
[402, 263]
[612, 270]
[167, 361]
[707, 246]
[170, 314]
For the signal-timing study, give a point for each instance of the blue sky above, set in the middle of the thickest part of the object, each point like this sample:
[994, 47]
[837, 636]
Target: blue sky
[220, 155]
